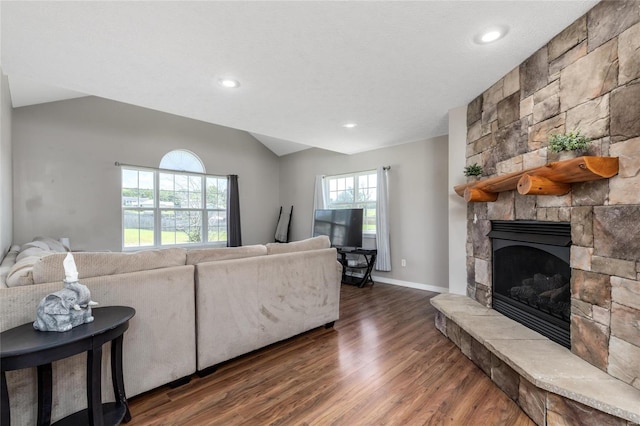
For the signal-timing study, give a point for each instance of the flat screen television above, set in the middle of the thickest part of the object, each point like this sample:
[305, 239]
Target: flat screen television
[342, 226]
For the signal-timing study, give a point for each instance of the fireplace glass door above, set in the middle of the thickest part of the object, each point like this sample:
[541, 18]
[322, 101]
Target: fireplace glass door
[531, 275]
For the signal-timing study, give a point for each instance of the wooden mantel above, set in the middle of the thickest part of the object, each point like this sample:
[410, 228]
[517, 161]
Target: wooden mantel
[551, 179]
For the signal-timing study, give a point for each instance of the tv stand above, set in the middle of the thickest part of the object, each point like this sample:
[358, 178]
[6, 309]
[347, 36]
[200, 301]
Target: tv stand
[366, 259]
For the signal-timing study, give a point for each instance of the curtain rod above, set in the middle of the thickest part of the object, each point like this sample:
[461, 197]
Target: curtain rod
[119, 164]
[360, 171]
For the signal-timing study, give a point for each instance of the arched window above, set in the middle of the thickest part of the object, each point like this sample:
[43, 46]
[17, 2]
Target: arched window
[177, 204]
[183, 161]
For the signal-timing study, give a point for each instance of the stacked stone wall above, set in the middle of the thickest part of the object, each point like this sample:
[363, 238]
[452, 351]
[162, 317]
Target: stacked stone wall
[586, 78]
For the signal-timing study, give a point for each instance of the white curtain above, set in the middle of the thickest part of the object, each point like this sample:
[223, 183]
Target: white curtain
[319, 198]
[383, 261]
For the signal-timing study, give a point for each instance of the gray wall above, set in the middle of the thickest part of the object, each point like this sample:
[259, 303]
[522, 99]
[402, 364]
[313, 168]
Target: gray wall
[457, 205]
[6, 182]
[418, 207]
[66, 184]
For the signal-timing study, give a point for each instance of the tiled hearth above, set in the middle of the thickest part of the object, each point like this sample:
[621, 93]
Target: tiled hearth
[552, 385]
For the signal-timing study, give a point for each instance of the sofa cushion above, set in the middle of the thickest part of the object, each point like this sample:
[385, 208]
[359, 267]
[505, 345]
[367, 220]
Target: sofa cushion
[195, 256]
[95, 264]
[315, 243]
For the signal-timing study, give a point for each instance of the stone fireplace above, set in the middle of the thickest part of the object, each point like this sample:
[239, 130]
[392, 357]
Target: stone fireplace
[586, 78]
[531, 275]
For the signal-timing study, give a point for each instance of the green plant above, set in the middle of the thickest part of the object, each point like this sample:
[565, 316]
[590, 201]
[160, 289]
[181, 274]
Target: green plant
[572, 141]
[473, 170]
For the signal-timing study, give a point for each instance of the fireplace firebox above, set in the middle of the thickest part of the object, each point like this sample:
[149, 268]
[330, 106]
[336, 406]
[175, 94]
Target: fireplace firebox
[531, 275]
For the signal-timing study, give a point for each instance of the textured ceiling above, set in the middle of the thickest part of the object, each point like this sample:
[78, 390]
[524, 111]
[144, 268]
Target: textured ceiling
[305, 67]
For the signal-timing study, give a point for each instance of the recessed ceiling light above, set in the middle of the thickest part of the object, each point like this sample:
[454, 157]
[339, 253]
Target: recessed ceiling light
[349, 125]
[229, 83]
[490, 35]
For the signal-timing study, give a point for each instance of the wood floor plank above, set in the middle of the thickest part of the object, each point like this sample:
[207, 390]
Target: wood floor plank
[384, 363]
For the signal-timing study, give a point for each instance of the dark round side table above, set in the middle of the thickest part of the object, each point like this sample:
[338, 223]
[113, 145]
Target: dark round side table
[24, 347]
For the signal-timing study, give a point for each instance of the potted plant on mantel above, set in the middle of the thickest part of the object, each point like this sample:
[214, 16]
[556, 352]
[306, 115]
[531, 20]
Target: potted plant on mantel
[472, 172]
[572, 142]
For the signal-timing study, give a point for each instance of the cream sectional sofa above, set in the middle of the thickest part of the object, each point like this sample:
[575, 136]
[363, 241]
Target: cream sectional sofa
[248, 303]
[194, 309]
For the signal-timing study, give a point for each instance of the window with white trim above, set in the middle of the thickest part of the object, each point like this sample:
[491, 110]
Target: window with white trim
[354, 191]
[163, 207]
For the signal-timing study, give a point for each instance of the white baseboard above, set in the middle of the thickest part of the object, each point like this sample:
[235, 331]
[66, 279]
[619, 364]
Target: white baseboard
[410, 284]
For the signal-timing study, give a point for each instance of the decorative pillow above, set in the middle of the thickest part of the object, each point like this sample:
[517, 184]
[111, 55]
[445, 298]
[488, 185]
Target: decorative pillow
[315, 243]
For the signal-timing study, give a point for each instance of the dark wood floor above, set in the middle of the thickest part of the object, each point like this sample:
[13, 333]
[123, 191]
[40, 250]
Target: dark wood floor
[384, 363]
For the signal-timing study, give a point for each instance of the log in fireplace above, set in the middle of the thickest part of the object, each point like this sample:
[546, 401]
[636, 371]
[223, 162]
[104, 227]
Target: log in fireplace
[531, 275]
